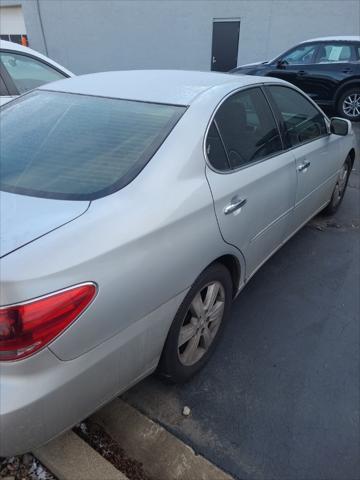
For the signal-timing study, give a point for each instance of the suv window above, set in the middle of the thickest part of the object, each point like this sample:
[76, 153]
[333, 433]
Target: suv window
[301, 55]
[336, 52]
[357, 51]
[27, 72]
[303, 122]
[247, 128]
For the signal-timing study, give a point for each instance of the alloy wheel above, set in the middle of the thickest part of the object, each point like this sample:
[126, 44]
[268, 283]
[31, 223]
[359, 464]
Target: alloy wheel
[351, 105]
[201, 323]
[341, 184]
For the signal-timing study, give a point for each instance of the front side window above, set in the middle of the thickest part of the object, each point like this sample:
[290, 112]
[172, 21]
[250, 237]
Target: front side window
[27, 72]
[247, 128]
[302, 55]
[331, 53]
[77, 147]
[303, 122]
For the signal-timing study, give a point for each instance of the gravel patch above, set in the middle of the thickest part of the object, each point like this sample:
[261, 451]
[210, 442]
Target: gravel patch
[100, 441]
[24, 467]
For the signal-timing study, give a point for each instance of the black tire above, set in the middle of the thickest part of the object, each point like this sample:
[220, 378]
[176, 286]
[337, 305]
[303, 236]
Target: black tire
[351, 92]
[171, 368]
[337, 197]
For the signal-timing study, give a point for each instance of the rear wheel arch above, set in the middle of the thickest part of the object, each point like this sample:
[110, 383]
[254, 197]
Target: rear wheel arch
[346, 86]
[348, 102]
[232, 264]
[351, 154]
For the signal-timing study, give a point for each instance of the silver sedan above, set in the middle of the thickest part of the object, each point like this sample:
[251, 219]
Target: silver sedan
[134, 208]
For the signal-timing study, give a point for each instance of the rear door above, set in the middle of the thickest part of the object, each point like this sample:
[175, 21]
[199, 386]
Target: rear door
[253, 181]
[334, 63]
[306, 135]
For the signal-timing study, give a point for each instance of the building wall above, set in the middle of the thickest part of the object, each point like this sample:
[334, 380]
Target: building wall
[11, 21]
[88, 35]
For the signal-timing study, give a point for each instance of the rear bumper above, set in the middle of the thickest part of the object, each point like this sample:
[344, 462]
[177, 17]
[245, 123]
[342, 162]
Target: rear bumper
[42, 396]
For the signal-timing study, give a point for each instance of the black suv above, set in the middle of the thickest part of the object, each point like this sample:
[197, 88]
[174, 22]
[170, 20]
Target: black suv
[327, 69]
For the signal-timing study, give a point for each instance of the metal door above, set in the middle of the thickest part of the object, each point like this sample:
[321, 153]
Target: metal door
[225, 45]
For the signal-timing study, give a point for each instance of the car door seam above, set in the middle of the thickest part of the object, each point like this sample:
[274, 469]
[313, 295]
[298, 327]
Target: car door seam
[218, 224]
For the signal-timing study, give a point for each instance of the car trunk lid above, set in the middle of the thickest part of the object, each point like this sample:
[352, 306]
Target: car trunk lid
[23, 219]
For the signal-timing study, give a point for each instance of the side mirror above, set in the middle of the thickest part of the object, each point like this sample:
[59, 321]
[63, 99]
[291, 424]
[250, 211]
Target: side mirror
[281, 63]
[339, 126]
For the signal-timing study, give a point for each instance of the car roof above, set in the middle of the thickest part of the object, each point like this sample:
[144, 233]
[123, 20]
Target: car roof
[15, 47]
[344, 38]
[178, 87]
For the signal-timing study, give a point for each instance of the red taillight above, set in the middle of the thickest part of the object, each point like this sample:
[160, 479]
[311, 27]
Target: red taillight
[27, 327]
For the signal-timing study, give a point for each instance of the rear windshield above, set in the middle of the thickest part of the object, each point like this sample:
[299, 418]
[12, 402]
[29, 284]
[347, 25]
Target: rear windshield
[78, 147]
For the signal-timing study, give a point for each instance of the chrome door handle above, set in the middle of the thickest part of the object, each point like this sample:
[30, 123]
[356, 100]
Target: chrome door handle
[303, 166]
[234, 205]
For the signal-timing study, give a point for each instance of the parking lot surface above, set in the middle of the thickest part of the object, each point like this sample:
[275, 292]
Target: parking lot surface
[280, 397]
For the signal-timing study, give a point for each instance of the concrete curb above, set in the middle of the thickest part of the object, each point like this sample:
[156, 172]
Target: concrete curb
[163, 456]
[70, 458]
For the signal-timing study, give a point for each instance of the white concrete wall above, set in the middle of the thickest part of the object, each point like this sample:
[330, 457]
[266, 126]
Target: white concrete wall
[12, 21]
[95, 35]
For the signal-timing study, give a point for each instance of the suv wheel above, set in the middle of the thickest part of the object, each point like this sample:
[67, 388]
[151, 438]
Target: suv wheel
[348, 105]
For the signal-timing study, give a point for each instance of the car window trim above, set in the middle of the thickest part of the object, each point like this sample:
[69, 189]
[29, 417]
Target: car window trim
[356, 46]
[3, 83]
[223, 144]
[275, 116]
[282, 123]
[12, 87]
[9, 84]
[212, 118]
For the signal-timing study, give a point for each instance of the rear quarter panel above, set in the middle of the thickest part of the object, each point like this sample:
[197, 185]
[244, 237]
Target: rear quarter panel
[143, 246]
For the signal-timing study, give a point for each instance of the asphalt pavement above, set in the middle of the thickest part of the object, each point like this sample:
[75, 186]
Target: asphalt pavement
[280, 397]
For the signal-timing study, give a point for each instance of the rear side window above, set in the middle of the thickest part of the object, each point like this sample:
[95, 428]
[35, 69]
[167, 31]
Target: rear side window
[247, 128]
[77, 147]
[302, 121]
[215, 149]
[27, 72]
[332, 53]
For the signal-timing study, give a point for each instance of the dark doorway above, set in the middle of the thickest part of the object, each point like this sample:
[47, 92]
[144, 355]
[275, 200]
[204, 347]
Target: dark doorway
[225, 44]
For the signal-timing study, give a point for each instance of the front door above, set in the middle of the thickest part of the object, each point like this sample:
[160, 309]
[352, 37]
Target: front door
[316, 152]
[225, 45]
[253, 182]
[293, 65]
